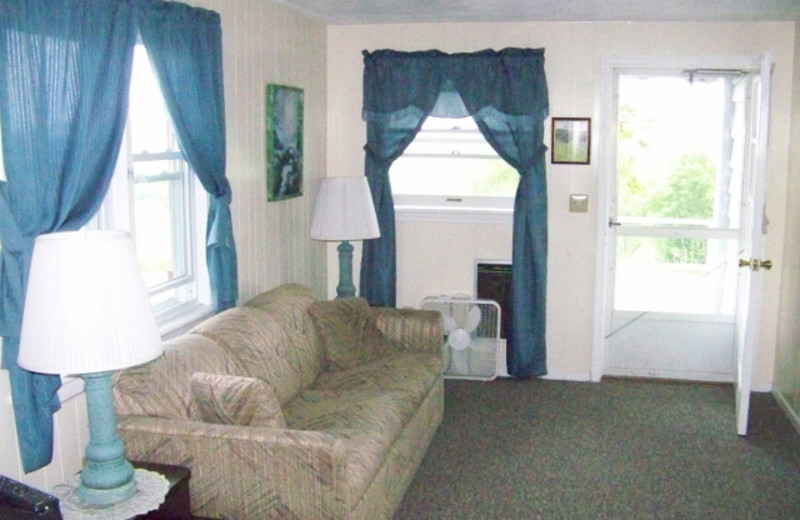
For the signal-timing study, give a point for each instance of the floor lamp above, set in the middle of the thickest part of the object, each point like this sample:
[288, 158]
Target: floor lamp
[344, 212]
[87, 313]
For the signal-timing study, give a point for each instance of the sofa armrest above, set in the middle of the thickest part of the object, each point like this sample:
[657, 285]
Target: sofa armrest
[413, 330]
[247, 472]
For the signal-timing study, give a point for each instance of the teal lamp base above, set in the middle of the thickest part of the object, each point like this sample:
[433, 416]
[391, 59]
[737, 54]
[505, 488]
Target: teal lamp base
[345, 289]
[107, 477]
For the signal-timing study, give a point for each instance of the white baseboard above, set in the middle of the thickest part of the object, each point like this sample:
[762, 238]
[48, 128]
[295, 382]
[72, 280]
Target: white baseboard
[793, 416]
[583, 377]
[762, 387]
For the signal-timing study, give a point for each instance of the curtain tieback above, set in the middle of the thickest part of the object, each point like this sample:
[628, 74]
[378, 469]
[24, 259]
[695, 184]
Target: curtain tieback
[385, 162]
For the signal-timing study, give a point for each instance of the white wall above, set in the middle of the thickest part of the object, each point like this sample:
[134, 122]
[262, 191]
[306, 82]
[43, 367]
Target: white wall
[437, 258]
[71, 433]
[787, 365]
[262, 43]
[266, 43]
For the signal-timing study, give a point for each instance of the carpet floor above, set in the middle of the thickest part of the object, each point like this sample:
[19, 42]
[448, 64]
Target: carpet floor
[619, 449]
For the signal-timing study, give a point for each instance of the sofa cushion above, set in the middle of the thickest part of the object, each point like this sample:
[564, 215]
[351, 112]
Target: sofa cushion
[260, 344]
[349, 333]
[288, 306]
[236, 400]
[368, 406]
[162, 387]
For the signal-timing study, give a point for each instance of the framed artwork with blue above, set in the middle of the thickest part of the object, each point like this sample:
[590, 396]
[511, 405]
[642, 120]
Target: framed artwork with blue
[284, 142]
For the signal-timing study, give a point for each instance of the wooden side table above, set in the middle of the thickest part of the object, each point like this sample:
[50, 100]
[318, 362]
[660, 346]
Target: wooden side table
[177, 504]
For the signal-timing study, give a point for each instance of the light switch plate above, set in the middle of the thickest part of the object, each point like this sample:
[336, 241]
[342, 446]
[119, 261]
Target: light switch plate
[578, 203]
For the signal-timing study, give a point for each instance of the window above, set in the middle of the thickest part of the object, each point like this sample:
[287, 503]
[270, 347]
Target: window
[449, 167]
[156, 195]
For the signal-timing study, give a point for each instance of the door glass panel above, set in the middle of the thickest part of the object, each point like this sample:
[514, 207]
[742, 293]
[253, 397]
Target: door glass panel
[678, 158]
[676, 275]
[679, 164]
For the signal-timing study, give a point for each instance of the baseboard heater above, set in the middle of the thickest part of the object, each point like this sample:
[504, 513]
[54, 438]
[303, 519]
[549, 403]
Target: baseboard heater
[493, 282]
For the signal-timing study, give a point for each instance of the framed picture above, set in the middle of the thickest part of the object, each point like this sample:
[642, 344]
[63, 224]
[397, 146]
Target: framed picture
[572, 140]
[284, 142]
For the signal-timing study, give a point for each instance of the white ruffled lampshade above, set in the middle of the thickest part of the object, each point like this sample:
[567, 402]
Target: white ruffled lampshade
[86, 307]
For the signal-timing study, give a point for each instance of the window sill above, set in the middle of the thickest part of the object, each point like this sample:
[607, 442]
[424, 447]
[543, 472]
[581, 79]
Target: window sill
[184, 321]
[470, 215]
[72, 386]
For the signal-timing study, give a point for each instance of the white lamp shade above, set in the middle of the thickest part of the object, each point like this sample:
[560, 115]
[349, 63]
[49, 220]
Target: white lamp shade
[86, 307]
[344, 210]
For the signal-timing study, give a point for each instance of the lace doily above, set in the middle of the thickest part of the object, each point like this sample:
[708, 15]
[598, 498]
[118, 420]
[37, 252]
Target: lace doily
[151, 488]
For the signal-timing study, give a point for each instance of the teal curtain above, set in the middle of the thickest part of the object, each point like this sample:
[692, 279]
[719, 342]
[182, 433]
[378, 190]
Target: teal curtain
[506, 92]
[387, 139]
[185, 46]
[64, 74]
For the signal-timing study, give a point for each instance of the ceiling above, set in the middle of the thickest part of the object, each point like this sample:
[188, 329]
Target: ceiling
[416, 11]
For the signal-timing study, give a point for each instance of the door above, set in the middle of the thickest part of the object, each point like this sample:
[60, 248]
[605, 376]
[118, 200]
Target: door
[677, 224]
[751, 262]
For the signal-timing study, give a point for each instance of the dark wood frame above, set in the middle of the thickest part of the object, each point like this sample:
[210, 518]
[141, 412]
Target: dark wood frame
[567, 132]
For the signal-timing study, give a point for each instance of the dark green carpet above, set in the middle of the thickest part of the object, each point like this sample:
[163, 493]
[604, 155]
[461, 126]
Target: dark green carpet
[620, 449]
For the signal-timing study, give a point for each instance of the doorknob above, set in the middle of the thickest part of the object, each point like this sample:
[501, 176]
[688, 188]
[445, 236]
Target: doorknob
[755, 264]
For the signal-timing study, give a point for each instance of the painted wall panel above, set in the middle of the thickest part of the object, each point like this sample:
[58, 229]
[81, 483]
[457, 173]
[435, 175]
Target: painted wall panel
[787, 362]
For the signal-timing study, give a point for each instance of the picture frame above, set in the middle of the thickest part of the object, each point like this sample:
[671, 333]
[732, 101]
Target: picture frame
[571, 140]
[284, 142]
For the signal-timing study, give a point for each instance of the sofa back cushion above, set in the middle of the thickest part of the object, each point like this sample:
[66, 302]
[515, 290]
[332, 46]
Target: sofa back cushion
[349, 333]
[259, 345]
[162, 387]
[236, 400]
[288, 306]
[270, 339]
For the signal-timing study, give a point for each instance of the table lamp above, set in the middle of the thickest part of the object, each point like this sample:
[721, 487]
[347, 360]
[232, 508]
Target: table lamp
[344, 212]
[87, 313]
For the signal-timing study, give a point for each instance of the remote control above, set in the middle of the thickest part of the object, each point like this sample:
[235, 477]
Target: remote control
[15, 496]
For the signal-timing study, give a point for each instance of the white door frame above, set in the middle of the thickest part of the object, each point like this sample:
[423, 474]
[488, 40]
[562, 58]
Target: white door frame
[607, 180]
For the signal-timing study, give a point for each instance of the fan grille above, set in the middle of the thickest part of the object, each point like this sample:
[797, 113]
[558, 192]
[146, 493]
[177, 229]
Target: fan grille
[472, 336]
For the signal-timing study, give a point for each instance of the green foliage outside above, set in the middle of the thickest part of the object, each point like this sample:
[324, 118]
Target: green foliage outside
[687, 191]
[689, 194]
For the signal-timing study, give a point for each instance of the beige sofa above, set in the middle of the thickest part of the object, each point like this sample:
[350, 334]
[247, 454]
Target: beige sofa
[291, 408]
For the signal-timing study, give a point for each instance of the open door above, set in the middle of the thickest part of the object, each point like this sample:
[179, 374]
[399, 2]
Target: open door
[751, 260]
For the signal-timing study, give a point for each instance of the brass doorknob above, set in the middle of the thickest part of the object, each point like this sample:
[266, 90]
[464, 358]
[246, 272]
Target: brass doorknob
[755, 264]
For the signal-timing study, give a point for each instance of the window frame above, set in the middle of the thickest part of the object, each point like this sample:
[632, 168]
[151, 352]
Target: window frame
[117, 212]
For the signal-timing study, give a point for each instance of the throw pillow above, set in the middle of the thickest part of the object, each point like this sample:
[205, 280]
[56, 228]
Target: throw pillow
[349, 333]
[236, 400]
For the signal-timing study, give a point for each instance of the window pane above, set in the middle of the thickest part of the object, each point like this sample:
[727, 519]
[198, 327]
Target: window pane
[451, 176]
[154, 233]
[674, 159]
[451, 157]
[159, 223]
[151, 130]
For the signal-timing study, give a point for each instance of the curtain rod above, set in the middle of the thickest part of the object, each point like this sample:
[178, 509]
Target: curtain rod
[716, 72]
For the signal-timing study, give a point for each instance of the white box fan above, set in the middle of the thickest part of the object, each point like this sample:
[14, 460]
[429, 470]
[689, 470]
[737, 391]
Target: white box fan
[472, 336]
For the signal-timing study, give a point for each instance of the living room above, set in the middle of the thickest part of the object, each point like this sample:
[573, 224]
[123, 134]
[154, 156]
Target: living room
[267, 43]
